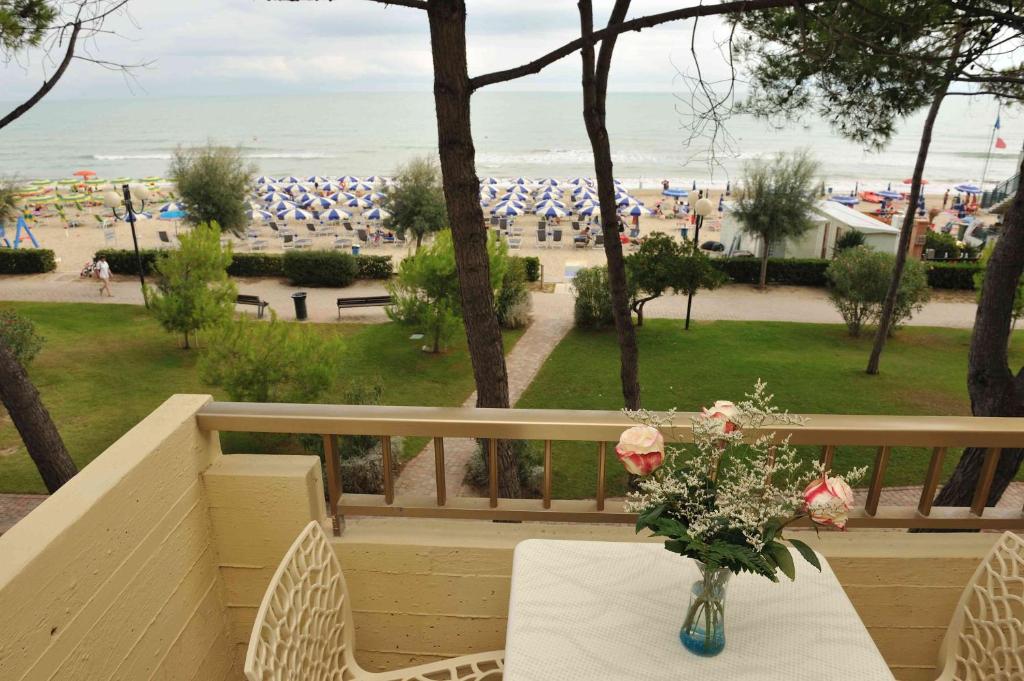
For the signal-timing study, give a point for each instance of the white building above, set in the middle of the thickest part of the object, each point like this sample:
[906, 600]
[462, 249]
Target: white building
[831, 220]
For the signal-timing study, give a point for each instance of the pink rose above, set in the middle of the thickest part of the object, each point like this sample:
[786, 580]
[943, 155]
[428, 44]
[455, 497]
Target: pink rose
[724, 415]
[641, 449]
[829, 501]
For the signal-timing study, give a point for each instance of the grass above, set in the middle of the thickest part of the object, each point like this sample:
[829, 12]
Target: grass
[105, 367]
[811, 368]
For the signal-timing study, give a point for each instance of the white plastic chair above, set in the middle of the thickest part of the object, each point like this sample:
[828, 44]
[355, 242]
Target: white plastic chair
[304, 629]
[985, 640]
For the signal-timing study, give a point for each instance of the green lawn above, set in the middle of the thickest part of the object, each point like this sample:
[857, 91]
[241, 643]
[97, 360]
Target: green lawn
[104, 367]
[811, 368]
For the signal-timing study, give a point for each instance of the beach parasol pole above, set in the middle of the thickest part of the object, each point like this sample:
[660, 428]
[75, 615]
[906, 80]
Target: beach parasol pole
[991, 141]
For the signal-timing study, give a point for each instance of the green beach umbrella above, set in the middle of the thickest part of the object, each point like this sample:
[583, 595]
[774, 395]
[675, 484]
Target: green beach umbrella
[120, 180]
[96, 181]
[68, 182]
[151, 179]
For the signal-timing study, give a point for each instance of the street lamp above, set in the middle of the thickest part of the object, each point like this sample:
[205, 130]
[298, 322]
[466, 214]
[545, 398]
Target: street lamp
[111, 200]
[701, 209]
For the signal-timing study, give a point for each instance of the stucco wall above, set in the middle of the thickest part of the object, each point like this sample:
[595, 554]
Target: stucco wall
[114, 576]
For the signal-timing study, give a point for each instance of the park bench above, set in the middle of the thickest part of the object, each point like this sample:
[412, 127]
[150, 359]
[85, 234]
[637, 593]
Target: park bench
[261, 305]
[362, 301]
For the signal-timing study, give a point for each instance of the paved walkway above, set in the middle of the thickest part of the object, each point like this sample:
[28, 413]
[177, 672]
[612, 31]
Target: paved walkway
[14, 507]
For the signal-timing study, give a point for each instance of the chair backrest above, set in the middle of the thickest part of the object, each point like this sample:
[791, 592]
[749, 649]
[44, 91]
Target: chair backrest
[303, 628]
[362, 234]
[288, 238]
[599, 239]
[556, 235]
[985, 640]
[311, 227]
[273, 225]
[542, 234]
[163, 237]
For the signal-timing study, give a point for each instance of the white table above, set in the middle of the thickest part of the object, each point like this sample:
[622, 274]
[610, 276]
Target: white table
[602, 611]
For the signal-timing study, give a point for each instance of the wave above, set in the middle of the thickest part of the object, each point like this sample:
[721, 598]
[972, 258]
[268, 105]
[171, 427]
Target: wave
[299, 155]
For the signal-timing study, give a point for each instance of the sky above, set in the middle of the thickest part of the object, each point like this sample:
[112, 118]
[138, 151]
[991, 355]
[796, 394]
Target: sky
[249, 47]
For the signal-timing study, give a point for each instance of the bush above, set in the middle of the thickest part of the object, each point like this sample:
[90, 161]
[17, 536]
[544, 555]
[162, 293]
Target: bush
[531, 470]
[798, 272]
[375, 266]
[320, 268]
[953, 275]
[20, 336]
[213, 182]
[946, 246]
[124, 262]
[859, 279]
[593, 306]
[26, 260]
[531, 265]
[256, 265]
[850, 239]
[512, 302]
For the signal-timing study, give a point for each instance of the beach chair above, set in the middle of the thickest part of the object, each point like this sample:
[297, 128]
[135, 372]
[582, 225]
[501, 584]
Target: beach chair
[599, 240]
[575, 225]
[542, 238]
[984, 638]
[494, 221]
[400, 240]
[165, 240]
[109, 237]
[256, 244]
[503, 223]
[581, 241]
[515, 242]
[556, 237]
[347, 225]
[304, 628]
[542, 224]
[342, 244]
[363, 236]
[288, 242]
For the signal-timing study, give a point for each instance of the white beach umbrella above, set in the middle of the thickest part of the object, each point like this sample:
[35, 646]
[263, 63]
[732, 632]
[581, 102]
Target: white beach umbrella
[507, 209]
[348, 179]
[291, 179]
[330, 187]
[583, 193]
[521, 180]
[515, 196]
[590, 210]
[548, 182]
[579, 181]
[638, 209]
[373, 179]
[552, 212]
[548, 195]
[317, 179]
[489, 180]
[376, 214]
[173, 205]
[488, 190]
[280, 206]
[550, 203]
[258, 214]
[335, 214]
[341, 197]
[265, 179]
[319, 203]
[517, 204]
[304, 198]
[293, 188]
[626, 201]
[275, 196]
[584, 203]
[377, 196]
[361, 186]
[296, 214]
[359, 202]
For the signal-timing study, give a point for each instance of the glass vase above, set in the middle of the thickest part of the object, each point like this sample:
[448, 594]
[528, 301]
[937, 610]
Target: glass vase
[703, 631]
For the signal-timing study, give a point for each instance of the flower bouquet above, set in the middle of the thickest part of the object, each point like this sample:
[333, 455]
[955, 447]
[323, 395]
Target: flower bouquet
[726, 501]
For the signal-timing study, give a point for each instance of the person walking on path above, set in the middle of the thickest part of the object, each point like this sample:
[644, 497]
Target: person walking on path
[103, 273]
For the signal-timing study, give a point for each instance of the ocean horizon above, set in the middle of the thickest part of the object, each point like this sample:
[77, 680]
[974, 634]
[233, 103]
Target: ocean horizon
[534, 134]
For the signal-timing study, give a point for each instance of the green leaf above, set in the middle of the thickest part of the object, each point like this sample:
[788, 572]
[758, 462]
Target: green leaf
[646, 518]
[782, 557]
[807, 552]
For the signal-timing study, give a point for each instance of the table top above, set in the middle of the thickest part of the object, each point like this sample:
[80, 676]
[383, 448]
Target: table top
[612, 610]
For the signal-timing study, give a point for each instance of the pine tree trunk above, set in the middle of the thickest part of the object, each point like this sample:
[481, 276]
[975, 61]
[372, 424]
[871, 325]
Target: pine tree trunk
[469, 234]
[30, 417]
[595, 81]
[994, 388]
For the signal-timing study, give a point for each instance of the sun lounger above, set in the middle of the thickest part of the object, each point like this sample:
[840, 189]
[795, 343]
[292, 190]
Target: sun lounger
[542, 237]
[260, 305]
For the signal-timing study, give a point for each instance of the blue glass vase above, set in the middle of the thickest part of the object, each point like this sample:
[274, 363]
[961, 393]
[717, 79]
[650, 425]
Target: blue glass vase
[703, 630]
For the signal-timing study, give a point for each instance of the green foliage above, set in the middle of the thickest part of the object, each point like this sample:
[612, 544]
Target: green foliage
[320, 268]
[859, 280]
[662, 263]
[273, 361]
[532, 267]
[9, 202]
[593, 306]
[850, 239]
[212, 182]
[1018, 296]
[256, 265]
[512, 302]
[123, 261]
[947, 247]
[19, 335]
[777, 197]
[375, 266]
[426, 290]
[26, 260]
[792, 271]
[530, 467]
[416, 200]
[23, 23]
[193, 290]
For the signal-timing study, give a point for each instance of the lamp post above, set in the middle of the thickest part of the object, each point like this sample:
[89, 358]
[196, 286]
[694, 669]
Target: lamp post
[701, 209]
[111, 200]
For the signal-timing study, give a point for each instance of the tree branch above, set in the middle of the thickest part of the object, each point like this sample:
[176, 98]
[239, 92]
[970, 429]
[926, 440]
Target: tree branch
[48, 84]
[537, 65]
[415, 4]
[604, 55]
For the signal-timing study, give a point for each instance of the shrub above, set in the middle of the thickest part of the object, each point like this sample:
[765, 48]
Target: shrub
[124, 262]
[26, 260]
[256, 265]
[530, 468]
[795, 271]
[946, 246]
[213, 182]
[859, 280]
[375, 266]
[320, 268]
[953, 275]
[593, 306]
[531, 265]
[850, 239]
[512, 302]
[20, 336]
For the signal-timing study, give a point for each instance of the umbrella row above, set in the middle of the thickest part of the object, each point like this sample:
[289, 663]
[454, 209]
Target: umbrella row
[298, 214]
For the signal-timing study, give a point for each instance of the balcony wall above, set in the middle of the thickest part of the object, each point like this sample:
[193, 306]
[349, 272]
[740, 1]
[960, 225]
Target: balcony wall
[151, 564]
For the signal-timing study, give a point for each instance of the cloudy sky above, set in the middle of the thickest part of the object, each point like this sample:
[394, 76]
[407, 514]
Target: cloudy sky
[254, 46]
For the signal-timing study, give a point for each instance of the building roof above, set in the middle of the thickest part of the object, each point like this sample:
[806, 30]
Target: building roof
[853, 218]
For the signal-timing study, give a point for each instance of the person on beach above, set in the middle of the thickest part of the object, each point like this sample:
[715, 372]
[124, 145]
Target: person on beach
[103, 274]
[664, 185]
[945, 199]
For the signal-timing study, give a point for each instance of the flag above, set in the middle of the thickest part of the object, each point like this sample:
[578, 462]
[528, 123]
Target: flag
[997, 121]
[1000, 143]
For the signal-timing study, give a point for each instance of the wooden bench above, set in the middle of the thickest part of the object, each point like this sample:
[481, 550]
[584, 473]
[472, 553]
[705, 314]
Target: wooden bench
[261, 305]
[362, 301]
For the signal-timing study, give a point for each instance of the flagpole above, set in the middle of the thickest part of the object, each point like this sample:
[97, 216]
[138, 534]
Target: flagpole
[992, 140]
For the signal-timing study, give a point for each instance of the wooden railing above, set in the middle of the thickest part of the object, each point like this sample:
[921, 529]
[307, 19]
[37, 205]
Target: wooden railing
[937, 433]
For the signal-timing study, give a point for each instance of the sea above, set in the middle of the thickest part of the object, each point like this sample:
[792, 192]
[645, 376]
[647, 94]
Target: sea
[531, 134]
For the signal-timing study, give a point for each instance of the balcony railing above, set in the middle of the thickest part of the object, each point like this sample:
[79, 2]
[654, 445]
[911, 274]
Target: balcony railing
[938, 434]
[1001, 191]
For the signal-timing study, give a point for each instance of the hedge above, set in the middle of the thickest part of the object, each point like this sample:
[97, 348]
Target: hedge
[124, 262]
[531, 266]
[798, 272]
[320, 268]
[256, 265]
[952, 275]
[26, 260]
[375, 266]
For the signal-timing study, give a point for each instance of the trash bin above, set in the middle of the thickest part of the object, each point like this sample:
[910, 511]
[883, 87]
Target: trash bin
[355, 249]
[300, 305]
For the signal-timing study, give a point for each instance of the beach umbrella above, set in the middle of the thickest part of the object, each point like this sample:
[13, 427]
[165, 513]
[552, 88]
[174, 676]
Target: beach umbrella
[304, 198]
[335, 214]
[891, 195]
[550, 194]
[626, 201]
[348, 179]
[583, 193]
[541, 205]
[257, 214]
[489, 180]
[590, 210]
[178, 215]
[361, 186]
[910, 180]
[291, 179]
[376, 214]
[296, 214]
[94, 182]
[376, 196]
[317, 179]
[521, 181]
[68, 182]
[84, 174]
[584, 203]
[120, 180]
[968, 188]
[319, 203]
[845, 200]
[152, 179]
[275, 196]
[552, 212]
[488, 190]
[173, 205]
[374, 179]
[507, 209]
[341, 197]
[281, 206]
[74, 197]
[518, 204]
[144, 216]
[548, 182]
[294, 188]
[330, 187]
[635, 210]
[359, 202]
[265, 179]
[676, 193]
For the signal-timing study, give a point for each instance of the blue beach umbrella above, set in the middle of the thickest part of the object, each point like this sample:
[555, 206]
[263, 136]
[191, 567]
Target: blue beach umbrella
[888, 194]
[257, 214]
[348, 179]
[548, 182]
[518, 204]
[330, 187]
[296, 214]
[489, 180]
[359, 202]
[635, 210]
[548, 195]
[319, 203]
[515, 196]
[590, 210]
[361, 186]
[272, 197]
[373, 179]
[335, 214]
[317, 179]
[676, 193]
[291, 179]
[376, 214]
[550, 203]
[507, 209]
[968, 188]
[281, 206]
[583, 203]
[172, 206]
[488, 190]
[341, 197]
[552, 212]
[304, 198]
[172, 215]
[265, 179]
[626, 201]
[377, 196]
[845, 200]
